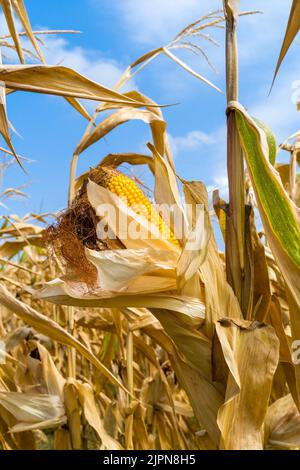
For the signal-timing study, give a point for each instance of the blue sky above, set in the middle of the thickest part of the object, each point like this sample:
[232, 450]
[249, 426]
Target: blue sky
[114, 33]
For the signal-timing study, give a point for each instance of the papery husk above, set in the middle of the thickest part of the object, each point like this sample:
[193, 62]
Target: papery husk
[251, 353]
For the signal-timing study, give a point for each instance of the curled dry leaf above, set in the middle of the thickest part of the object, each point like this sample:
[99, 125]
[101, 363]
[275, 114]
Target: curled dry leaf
[33, 411]
[60, 293]
[219, 296]
[282, 425]
[251, 352]
[58, 80]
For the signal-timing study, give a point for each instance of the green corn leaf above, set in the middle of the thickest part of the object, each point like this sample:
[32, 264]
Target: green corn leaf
[271, 140]
[279, 214]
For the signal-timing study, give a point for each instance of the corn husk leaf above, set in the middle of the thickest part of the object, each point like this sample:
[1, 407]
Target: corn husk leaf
[132, 271]
[251, 352]
[219, 297]
[168, 192]
[282, 424]
[59, 292]
[196, 245]
[100, 198]
[33, 410]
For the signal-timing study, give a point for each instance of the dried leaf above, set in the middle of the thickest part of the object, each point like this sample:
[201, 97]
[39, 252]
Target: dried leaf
[219, 297]
[251, 352]
[52, 329]
[58, 80]
[282, 424]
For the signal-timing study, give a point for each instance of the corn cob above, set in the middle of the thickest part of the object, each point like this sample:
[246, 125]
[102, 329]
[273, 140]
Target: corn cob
[125, 188]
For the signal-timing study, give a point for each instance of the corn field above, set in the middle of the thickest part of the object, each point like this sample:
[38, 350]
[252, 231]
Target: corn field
[112, 341]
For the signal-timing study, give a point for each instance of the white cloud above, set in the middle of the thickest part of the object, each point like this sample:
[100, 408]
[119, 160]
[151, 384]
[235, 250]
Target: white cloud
[59, 51]
[278, 111]
[218, 170]
[191, 141]
[154, 23]
[220, 182]
[85, 61]
[260, 35]
[157, 21]
[212, 146]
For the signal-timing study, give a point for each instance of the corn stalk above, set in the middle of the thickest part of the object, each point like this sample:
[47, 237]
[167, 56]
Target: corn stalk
[235, 236]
